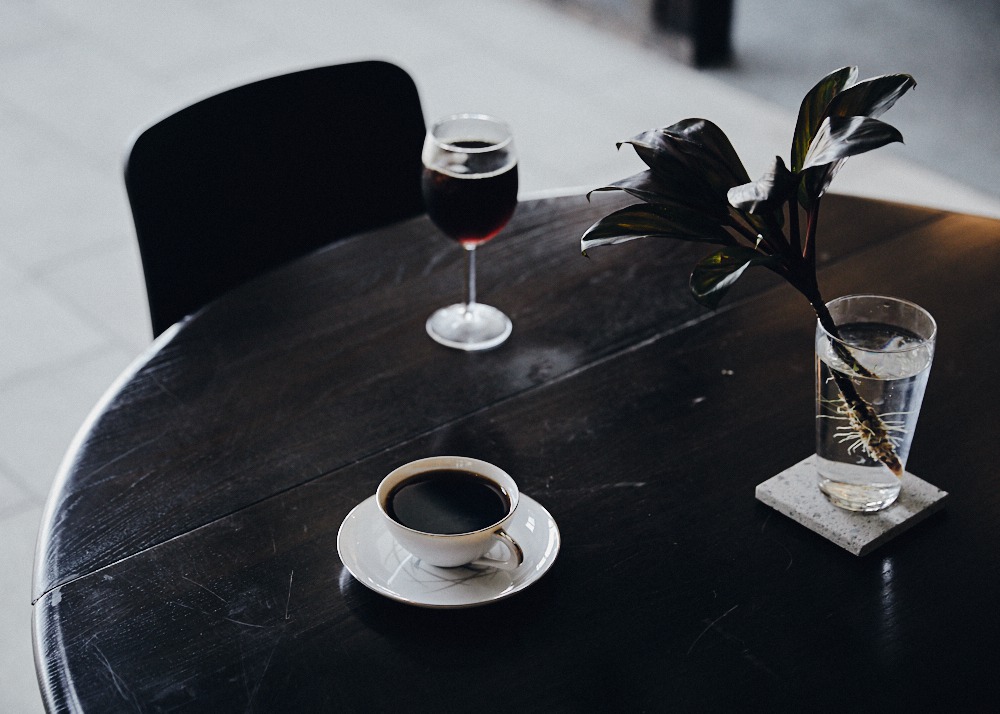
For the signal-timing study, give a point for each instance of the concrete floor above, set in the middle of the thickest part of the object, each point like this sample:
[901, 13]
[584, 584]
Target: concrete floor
[78, 77]
[948, 121]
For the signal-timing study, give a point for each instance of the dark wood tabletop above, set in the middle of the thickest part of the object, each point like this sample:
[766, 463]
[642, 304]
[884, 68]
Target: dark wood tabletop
[188, 557]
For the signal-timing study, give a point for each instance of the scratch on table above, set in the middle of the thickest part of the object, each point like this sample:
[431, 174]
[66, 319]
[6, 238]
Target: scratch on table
[260, 680]
[120, 686]
[238, 622]
[124, 455]
[790, 558]
[783, 546]
[208, 590]
[435, 260]
[142, 478]
[155, 379]
[606, 486]
[627, 558]
[710, 626]
[221, 617]
[764, 524]
[289, 598]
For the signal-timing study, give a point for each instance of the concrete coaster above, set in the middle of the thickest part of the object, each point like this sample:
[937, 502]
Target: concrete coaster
[795, 493]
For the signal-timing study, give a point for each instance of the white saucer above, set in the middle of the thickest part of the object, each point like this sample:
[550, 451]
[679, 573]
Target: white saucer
[372, 556]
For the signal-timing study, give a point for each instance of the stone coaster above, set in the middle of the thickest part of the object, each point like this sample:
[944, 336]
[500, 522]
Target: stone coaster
[795, 493]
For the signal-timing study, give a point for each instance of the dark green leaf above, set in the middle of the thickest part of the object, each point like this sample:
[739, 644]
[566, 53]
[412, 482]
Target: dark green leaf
[696, 148]
[715, 274]
[645, 186]
[679, 188]
[813, 110]
[708, 147]
[654, 148]
[769, 193]
[837, 139]
[872, 97]
[840, 137]
[654, 221]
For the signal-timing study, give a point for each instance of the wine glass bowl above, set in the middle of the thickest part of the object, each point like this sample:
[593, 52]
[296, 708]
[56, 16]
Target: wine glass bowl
[470, 191]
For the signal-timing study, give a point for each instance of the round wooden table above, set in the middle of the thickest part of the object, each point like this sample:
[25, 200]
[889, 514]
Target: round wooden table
[188, 557]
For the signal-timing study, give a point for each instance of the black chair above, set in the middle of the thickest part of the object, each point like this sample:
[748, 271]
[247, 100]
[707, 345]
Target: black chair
[245, 180]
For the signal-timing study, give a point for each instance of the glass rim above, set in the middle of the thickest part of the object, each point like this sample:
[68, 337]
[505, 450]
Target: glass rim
[922, 343]
[493, 145]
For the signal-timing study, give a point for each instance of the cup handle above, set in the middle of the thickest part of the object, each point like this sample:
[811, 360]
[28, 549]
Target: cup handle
[515, 556]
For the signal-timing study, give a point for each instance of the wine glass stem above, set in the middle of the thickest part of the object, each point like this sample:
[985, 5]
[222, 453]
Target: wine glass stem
[470, 279]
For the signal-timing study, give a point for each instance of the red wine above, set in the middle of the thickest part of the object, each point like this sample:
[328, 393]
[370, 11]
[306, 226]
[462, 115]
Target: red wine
[447, 501]
[469, 204]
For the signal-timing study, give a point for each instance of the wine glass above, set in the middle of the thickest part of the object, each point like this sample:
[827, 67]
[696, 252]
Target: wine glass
[470, 190]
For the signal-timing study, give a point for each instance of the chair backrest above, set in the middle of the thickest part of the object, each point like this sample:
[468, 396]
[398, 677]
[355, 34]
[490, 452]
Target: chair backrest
[245, 180]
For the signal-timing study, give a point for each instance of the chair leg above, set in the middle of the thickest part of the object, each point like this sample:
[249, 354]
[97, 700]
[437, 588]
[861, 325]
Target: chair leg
[697, 31]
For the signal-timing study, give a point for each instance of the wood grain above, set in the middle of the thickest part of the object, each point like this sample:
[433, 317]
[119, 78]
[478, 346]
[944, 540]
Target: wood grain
[191, 558]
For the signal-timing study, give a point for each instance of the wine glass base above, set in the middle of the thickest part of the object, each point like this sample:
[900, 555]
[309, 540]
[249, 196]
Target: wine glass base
[469, 327]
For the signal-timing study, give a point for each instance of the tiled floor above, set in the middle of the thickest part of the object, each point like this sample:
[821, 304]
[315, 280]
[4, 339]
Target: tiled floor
[77, 77]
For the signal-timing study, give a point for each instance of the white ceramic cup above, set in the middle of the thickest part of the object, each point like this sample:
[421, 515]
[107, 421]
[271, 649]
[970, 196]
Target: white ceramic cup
[450, 550]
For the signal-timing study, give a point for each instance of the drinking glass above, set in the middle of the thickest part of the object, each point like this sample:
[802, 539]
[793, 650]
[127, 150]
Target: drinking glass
[885, 348]
[470, 190]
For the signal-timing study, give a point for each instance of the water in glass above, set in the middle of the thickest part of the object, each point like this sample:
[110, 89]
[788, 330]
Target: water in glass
[900, 364]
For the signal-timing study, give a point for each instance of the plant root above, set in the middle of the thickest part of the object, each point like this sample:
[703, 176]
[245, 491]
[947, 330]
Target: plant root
[867, 430]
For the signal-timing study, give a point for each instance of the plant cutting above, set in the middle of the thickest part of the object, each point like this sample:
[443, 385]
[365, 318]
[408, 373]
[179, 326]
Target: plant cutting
[696, 189]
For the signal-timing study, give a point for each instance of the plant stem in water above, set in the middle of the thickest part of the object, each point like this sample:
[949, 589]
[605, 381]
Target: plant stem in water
[867, 424]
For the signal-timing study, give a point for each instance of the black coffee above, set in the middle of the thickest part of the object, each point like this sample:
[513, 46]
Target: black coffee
[447, 501]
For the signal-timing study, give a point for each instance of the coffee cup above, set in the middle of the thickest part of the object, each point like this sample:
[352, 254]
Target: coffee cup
[450, 511]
